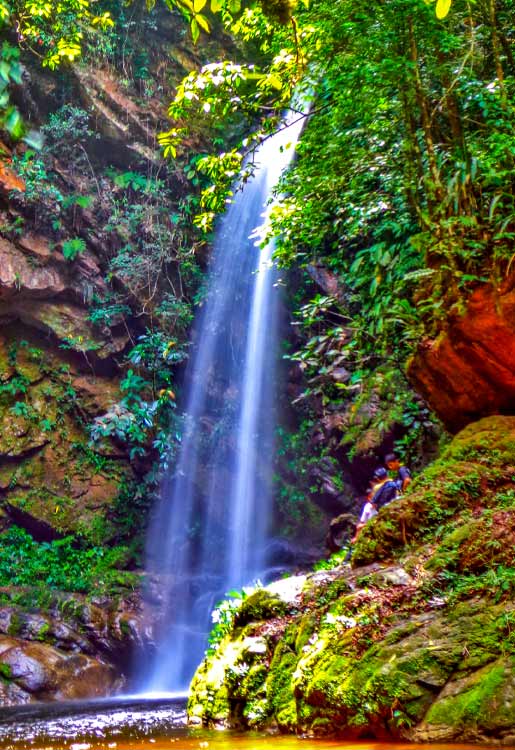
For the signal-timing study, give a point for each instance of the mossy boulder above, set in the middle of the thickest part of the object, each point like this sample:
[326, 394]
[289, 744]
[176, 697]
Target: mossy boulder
[473, 470]
[261, 605]
[420, 647]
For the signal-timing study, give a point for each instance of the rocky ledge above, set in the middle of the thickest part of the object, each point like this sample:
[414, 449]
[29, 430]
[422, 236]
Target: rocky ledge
[416, 640]
[66, 647]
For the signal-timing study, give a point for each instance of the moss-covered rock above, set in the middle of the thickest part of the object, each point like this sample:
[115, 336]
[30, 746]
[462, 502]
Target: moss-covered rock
[422, 647]
[52, 482]
[261, 605]
[475, 468]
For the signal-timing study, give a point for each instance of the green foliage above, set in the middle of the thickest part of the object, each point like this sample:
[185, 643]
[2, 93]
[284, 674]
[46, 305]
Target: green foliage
[497, 583]
[61, 564]
[136, 181]
[297, 481]
[39, 186]
[414, 206]
[10, 72]
[144, 414]
[223, 619]
[65, 135]
[56, 28]
[336, 559]
[73, 247]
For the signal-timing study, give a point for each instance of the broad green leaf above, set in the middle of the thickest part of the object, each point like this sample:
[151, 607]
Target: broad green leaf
[216, 6]
[5, 70]
[16, 72]
[195, 31]
[13, 123]
[186, 3]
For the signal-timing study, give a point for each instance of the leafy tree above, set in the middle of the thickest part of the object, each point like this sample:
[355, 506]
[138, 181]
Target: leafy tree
[412, 120]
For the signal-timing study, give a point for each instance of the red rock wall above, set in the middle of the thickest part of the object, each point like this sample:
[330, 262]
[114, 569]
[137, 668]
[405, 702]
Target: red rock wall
[469, 370]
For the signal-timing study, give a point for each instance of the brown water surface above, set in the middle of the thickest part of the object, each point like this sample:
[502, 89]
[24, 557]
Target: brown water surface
[136, 724]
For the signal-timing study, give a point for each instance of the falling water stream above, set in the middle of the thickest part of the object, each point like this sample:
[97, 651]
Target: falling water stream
[210, 532]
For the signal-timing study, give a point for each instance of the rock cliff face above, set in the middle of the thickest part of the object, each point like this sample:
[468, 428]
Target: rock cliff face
[84, 222]
[469, 370]
[67, 648]
[415, 640]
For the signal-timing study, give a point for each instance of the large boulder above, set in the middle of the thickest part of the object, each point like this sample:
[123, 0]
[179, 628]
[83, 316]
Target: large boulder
[68, 647]
[414, 641]
[468, 371]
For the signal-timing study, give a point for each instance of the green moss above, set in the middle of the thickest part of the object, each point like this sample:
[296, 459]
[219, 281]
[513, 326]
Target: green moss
[474, 705]
[279, 688]
[286, 716]
[305, 630]
[42, 634]
[260, 605]
[15, 624]
[363, 657]
[5, 671]
[446, 555]
[469, 471]
[322, 725]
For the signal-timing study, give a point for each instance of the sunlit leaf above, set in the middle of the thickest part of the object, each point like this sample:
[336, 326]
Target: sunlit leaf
[195, 31]
[275, 81]
[13, 123]
[5, 70]
[202, 22]
[442, 8]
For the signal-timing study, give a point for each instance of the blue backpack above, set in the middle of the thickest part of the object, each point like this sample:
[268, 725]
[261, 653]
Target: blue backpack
[385, 494]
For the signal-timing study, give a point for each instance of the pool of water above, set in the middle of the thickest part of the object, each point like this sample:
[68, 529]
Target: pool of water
[153, 724]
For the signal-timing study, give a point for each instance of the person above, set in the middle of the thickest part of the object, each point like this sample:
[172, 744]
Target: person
[403, 473]
[384, 490]
[368, 512]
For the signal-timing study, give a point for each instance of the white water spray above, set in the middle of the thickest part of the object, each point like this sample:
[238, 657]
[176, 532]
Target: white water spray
[210, 531]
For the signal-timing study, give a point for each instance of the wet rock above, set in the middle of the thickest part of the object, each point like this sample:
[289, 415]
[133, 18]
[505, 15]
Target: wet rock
[76, 649]
[328, 281]
[472, 707]
[12, 694]
[31, 667]
[370, 650]
[68, 323]
[341, 530]
[469, 370]
[45, 672]
[120, 121]
[392, 576]
[19, 277]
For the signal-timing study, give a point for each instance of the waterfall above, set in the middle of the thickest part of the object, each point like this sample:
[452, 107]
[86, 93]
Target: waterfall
[210, 530]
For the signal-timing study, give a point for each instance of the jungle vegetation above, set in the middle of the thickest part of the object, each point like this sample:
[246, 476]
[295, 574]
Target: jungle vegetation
[411, 115]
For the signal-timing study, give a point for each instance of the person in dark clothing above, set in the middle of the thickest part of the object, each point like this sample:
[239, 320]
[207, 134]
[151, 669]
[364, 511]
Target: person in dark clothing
[403, 473]
[384, 489]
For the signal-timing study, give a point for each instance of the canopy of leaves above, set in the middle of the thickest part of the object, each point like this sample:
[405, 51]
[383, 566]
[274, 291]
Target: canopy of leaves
[403, 188]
